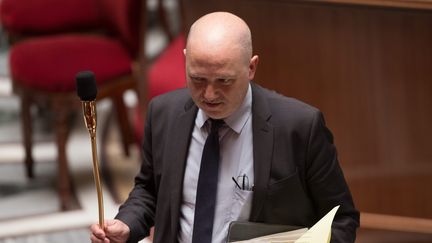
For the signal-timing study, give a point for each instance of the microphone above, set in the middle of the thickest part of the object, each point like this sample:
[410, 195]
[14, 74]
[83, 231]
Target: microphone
[87, 91]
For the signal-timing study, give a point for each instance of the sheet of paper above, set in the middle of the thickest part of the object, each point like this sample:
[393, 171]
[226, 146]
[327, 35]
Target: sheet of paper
[319, 233]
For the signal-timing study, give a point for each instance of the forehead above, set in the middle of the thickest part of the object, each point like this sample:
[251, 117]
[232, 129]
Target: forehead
[214, 56]
[213, 65]
[209, 60]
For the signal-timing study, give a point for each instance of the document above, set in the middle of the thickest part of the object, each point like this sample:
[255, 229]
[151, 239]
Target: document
[319, 233]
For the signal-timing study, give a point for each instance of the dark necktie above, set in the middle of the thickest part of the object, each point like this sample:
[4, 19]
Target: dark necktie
[207, 187]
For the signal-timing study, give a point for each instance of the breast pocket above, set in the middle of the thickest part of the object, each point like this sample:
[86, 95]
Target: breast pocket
[287, 202]
[287, 182]
[242, 203]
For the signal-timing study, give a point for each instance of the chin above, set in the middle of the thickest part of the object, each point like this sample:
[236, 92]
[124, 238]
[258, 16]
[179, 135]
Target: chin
[214, 114]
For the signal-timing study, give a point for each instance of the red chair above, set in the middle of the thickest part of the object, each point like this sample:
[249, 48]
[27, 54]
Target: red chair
[164, 73]
[43, 67]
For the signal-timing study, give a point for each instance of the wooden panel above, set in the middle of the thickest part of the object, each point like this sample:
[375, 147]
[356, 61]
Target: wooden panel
[369, 69]
[412, 4]
[387, 236]
[397, 223]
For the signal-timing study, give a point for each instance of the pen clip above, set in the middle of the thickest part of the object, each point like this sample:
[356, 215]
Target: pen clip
[243, 184]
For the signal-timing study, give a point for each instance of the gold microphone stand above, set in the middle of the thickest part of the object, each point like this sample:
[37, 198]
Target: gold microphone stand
[90, 119]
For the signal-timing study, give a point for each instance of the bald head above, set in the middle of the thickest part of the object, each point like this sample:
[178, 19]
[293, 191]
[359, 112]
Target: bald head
[219, 63]
[221, 32]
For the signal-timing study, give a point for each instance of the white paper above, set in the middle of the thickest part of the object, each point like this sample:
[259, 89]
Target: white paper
[319, 233]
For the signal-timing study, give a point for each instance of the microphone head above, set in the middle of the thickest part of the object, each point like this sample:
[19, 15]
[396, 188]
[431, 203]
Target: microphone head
[86, 86]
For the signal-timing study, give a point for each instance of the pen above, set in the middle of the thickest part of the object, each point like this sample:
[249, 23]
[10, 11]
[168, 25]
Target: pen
[243, 184]
[236, 183]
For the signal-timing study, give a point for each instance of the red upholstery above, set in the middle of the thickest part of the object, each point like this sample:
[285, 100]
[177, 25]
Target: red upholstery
[50, 64]
[122, 19]
[166, 74]
[168, 71]
[44, 16]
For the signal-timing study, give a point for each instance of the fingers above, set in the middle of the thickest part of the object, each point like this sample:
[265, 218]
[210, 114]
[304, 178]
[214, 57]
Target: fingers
[97, 231]
[97, 234]
[111, 228]
[114, 231]
[117, 231]
[95, 239]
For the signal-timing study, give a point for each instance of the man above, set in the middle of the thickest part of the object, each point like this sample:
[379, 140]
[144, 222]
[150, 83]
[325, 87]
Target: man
[276, 164]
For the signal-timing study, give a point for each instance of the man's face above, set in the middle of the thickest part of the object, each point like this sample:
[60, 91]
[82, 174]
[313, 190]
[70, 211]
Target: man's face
[218, 82]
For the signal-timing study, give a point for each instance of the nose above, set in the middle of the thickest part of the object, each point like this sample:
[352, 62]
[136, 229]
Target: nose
[210, 92]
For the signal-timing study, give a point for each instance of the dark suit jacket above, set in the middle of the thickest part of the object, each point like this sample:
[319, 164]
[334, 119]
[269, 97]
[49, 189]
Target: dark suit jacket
[297, 175]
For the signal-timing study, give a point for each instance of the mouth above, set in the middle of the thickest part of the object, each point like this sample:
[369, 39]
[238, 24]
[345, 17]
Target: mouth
[212, 104]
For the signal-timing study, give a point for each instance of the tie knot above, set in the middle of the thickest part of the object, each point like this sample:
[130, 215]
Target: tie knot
[216, 124]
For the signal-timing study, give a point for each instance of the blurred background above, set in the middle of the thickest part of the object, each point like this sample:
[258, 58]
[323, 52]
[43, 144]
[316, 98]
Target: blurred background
[367, 64]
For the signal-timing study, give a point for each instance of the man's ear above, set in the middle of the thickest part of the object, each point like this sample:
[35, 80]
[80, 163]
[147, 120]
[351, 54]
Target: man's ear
[253, 64]
[184, 51]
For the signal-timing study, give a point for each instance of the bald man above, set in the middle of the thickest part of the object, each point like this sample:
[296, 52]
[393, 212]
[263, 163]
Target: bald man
[276, 162]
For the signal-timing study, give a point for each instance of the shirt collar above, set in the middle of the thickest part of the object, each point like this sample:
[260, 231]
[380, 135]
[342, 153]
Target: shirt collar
[237, 120]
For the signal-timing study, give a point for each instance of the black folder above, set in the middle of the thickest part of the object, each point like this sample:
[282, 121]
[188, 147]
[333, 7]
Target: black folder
[238, 231]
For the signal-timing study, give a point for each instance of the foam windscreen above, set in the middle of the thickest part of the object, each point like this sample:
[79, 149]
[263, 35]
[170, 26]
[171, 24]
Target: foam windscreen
[86, 85]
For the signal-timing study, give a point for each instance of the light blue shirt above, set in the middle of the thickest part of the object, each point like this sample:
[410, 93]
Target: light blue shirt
[236, 160]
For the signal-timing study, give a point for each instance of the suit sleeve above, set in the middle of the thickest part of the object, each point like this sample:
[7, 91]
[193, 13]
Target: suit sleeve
[139, 209]
[326, 182]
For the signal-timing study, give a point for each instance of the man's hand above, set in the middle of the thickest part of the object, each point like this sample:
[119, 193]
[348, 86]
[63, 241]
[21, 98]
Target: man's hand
[115, 232]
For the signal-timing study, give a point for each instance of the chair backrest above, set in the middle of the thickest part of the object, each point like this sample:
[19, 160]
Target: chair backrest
[24, 17]
[124, 20]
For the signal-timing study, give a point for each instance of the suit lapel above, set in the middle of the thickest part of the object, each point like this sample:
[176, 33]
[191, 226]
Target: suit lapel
[178, 149]
[262, 149]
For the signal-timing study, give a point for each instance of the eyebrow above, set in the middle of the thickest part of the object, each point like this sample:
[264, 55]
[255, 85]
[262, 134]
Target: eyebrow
[197, 75]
